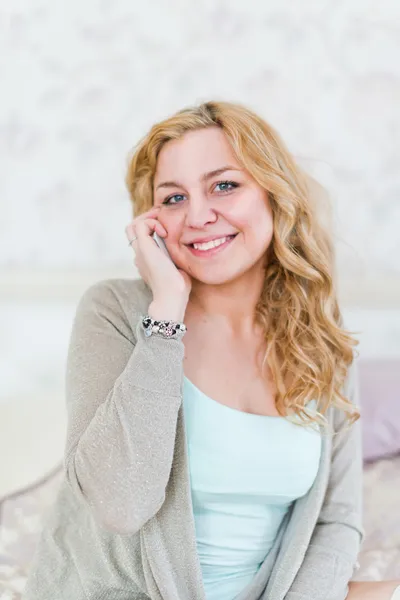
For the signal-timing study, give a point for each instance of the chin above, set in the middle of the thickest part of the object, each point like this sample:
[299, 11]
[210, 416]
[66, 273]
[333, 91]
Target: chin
[216, 276]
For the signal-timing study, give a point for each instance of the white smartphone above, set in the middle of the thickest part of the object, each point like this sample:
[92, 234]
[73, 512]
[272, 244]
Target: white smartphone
[161, 244]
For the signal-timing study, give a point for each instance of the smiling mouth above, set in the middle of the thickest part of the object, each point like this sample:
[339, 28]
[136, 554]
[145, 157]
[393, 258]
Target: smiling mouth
[209, 247]
[213, 243]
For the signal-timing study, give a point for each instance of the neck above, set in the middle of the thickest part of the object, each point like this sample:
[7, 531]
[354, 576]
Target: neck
[231, 305]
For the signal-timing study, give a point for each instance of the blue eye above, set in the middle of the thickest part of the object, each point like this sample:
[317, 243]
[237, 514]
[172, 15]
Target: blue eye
[231, 183]
[168, 200]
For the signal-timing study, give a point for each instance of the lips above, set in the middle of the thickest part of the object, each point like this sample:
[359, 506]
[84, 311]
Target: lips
[207, 250]
[213, 238]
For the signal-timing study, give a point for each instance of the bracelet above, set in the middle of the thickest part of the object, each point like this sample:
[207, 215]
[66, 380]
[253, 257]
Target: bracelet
[168, 329]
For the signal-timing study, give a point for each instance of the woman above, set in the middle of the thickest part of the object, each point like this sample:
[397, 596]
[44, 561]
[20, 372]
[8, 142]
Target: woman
[213, 449]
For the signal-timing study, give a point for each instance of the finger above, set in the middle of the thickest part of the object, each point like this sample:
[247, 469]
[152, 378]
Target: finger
[160, 229]
[149, 214]
[153, 209]
[145, 228]
[129, 229]
[133, 243]
[143, 231]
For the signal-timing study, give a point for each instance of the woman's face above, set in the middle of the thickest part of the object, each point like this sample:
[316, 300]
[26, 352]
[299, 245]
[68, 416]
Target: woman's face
[218, 219]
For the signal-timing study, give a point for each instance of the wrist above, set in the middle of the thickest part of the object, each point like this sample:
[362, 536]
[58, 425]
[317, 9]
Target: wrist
[168, 310]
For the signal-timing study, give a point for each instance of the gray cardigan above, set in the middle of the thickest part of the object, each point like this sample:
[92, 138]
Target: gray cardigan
[122, 526]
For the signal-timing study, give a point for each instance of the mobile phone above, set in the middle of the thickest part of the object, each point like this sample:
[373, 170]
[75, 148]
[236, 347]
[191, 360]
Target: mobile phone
[161, 244]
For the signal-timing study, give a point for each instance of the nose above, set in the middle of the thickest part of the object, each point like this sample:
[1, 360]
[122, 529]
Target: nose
[199, 212]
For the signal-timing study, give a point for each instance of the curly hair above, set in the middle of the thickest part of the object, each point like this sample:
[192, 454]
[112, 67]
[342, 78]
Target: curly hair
[308, 349]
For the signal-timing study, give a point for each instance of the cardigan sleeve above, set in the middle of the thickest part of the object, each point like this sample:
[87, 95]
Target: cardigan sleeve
[331, 556]
[123, 394]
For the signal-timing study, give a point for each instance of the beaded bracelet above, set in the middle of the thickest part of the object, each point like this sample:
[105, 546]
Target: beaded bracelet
[168, 329]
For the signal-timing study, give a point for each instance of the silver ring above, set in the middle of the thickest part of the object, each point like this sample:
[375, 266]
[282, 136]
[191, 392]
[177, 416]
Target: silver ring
[132, 240]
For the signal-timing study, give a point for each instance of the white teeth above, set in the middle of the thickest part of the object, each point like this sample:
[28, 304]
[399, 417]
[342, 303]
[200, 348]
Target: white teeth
[208, 245]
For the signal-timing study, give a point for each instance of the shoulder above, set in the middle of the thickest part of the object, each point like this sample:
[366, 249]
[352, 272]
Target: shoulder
[116, 301]
[117, 293]
[350, 390]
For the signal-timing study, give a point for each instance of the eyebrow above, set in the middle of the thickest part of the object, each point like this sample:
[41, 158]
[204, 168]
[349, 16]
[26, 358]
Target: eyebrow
[205, 177]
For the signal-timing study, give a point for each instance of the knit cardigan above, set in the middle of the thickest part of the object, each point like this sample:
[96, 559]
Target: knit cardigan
[122, 524]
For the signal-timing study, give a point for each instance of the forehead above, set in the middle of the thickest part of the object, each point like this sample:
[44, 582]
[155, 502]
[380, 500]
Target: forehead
[193, 154]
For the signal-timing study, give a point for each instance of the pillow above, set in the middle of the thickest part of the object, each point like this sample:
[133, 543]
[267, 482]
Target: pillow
[379, 384]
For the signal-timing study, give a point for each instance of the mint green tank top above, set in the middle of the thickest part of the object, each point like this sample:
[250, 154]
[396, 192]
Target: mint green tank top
[246, 470]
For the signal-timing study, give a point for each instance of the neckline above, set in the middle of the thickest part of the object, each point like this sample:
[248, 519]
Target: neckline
[230, 409]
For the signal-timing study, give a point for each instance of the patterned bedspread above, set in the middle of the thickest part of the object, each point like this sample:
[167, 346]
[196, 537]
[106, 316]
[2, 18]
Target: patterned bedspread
[21, 519]
[380, 553]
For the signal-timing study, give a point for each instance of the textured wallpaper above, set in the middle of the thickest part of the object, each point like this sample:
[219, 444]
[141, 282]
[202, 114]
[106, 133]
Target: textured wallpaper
[82, 81]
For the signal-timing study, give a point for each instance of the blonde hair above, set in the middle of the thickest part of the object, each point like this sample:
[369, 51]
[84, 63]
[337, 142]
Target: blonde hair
[298, 306]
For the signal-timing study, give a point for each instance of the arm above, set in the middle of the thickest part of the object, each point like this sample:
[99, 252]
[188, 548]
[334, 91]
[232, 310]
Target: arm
[123, 395]
[331, 557]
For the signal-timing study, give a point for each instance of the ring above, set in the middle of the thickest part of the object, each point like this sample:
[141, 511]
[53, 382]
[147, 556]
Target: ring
[132, 240]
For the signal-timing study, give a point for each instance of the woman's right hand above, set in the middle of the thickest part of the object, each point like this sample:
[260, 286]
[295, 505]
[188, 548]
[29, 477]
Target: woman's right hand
[170, 286]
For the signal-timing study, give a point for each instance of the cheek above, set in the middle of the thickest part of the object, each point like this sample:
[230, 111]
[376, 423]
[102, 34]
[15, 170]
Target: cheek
[173, 224]
[256, 225]
[238, 215]
[248, 207]
[264, 228]
[250, 219]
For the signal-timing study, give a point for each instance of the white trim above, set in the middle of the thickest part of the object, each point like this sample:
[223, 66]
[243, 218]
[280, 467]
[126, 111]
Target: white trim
[54, 284]
[380, 292]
